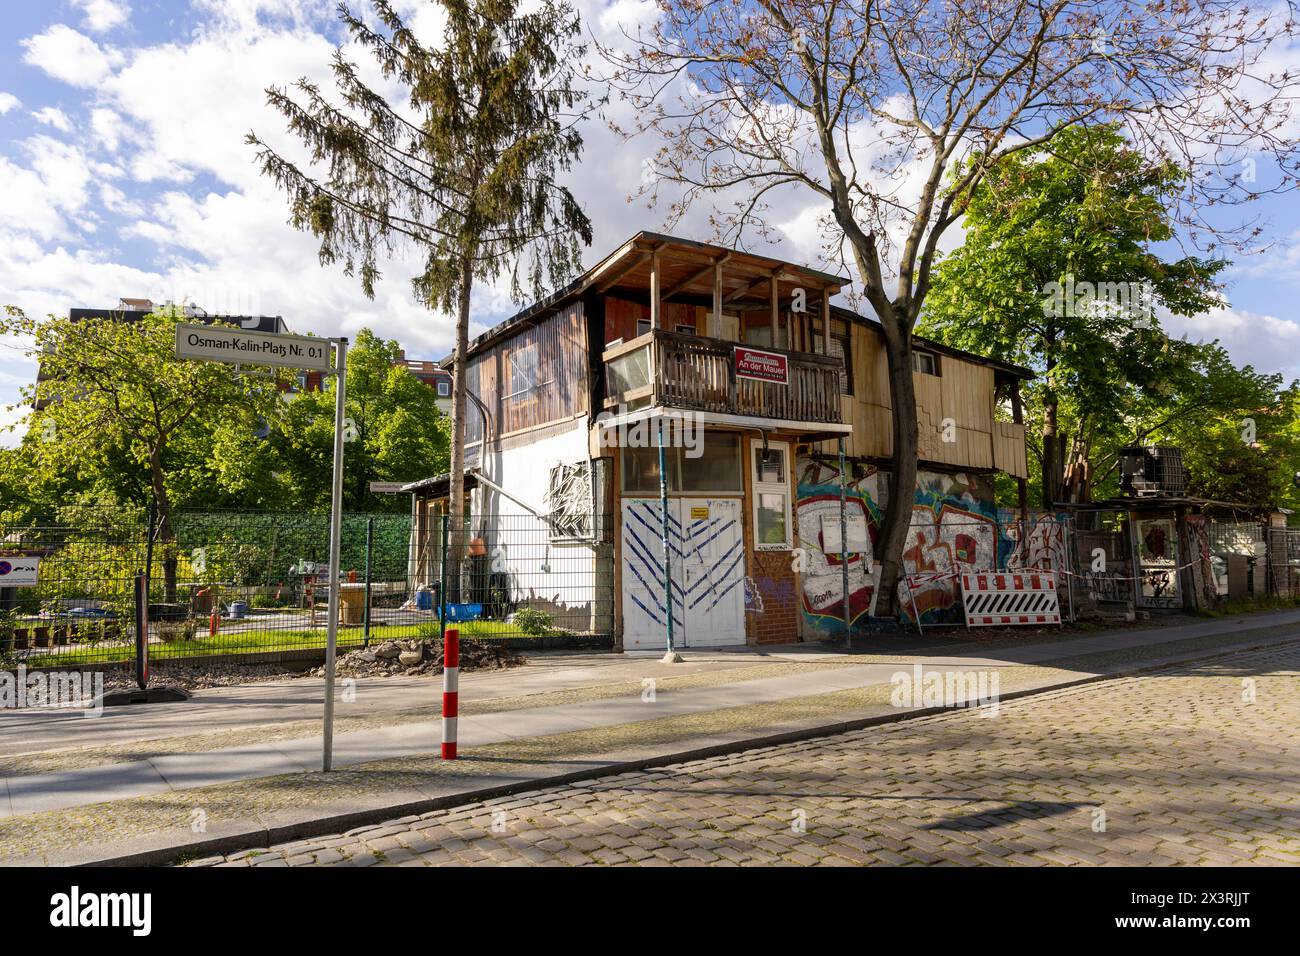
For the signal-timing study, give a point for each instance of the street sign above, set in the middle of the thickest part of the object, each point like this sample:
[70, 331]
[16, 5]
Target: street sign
[17, 571]
[214, 343]
[387, 487]
[762, 366]
[218, 344]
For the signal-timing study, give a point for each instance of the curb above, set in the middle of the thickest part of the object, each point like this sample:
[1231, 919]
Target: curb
[257, 837]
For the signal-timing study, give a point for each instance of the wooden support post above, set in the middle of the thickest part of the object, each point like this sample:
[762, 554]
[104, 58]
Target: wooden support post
[656, 317]
[772, 299]
[1022, 489]
[715, 320]
[826, 321]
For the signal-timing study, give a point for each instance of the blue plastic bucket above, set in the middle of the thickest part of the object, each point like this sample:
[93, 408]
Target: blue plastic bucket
[238, 609]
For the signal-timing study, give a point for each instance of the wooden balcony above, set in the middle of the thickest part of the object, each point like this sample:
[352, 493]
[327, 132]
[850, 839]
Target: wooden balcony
[678, 370]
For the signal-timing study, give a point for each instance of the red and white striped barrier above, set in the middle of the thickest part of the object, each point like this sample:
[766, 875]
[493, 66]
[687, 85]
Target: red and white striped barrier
[450, 691]
[993, 599]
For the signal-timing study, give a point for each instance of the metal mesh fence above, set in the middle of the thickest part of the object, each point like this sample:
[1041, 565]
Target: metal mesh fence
[255, 585]
[1284, 562]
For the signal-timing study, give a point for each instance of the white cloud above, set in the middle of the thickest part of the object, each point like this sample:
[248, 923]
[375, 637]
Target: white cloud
[53, 116]
[628, 15]
[40, 198]
[215, 92]
[1279, 262]
[7, 102]
[70, 56]
[108, 128]
[1269, 343]
[116, 201]
[102, 15]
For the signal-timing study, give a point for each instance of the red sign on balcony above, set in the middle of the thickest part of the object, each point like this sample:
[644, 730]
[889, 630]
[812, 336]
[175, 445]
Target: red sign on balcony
[762, 366]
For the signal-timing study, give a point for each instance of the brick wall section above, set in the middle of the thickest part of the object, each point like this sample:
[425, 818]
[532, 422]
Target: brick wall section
[774, 577]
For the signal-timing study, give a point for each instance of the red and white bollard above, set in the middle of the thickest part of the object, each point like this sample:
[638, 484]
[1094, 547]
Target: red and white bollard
[450, 691]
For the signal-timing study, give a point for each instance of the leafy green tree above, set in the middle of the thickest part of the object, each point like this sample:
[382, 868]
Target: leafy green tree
[465, 170]
[393, 432]
[1249, 455]
[119, 417]
[1058, 273]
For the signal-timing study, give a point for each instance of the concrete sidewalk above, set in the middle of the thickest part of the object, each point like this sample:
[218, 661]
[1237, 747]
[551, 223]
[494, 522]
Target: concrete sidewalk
[177, 771]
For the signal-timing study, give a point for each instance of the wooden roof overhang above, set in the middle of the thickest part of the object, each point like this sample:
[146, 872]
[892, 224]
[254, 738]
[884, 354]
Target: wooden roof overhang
[687, 268]
[686, 272]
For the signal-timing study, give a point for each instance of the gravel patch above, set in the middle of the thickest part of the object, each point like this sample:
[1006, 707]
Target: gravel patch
[386, 659]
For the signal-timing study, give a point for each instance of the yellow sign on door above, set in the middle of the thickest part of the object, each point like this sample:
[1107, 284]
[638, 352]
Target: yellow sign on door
[699, 514]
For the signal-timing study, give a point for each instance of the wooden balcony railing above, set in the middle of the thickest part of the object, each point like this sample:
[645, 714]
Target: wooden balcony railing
[679, 370]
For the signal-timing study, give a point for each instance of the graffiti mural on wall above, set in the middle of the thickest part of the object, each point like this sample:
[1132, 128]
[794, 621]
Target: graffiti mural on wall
[954, 526]
[817, 522]
[1045, 548]
[1155, 541]
[954, 523]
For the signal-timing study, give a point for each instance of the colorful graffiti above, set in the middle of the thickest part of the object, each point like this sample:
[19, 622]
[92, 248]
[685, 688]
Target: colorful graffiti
[955, 526]
[817, 522]
[1044, 548]
[1156, 543]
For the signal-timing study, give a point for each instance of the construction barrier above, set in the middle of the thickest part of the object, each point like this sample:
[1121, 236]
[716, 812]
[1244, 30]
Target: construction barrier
[1005, 598]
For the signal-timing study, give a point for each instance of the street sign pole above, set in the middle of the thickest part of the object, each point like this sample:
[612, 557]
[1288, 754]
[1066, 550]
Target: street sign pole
[218, 343]
[336, 537]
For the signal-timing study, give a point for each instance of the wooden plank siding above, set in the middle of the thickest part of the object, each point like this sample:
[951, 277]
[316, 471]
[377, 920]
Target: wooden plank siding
[561, 388]
[963, 391]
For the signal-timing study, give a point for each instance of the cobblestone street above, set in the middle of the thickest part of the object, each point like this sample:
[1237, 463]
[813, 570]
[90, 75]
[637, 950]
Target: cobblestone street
[1193, 765]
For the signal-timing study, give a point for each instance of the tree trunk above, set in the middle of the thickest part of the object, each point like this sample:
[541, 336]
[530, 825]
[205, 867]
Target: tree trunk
[1053, 445]
[166, 538]
[456, 486]
[1053, 451]
[902, 476]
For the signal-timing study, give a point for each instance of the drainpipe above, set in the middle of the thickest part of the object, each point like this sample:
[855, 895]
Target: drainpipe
[483, 452]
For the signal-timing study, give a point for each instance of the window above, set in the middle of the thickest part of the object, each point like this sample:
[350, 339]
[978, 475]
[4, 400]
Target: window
[772, 531]
[713, 464]
[687, 329]
[523, 371]
[927, 363]
[569, 502]
[714, 470]
[444, 388]
[642, 327]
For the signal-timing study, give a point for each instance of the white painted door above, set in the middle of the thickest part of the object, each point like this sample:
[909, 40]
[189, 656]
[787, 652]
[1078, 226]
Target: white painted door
[713, 569]
[708, 571]
[643, 575]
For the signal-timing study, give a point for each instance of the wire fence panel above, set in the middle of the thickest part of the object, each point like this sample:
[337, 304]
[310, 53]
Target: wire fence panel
[78, 602]
[254, 585]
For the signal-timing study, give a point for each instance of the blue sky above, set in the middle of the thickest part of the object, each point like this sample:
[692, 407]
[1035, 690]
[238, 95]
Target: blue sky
[123, 172]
